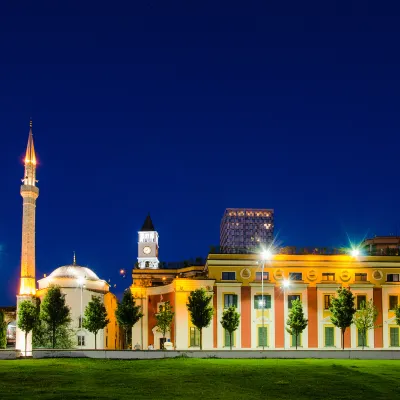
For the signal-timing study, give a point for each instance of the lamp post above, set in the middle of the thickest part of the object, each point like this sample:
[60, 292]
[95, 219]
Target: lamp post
[266, 255]
[80, 283]
[286, 284]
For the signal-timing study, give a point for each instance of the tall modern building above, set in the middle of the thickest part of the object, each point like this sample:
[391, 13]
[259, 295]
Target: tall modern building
[246, 230]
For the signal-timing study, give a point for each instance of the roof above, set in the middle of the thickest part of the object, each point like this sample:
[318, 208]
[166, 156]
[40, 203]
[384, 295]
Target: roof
[148, 225]
[74, 271]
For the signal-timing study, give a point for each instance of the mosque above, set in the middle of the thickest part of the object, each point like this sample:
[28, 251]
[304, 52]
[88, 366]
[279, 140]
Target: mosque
[78, 283]
[261, 286]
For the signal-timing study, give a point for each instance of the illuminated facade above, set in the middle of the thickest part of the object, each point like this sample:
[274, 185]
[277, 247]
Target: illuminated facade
[79, 285]
[29, 193]
[235, 279]
[148, 246]
[245, 230]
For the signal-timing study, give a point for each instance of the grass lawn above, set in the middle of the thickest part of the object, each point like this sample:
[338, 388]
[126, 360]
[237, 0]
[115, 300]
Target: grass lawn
[195, 379]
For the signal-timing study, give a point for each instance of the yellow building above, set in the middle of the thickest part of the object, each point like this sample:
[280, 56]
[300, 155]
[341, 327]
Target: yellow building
[236, 279]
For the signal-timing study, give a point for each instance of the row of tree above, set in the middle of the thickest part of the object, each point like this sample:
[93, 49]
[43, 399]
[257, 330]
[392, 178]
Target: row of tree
[49, 321]
[342, 308]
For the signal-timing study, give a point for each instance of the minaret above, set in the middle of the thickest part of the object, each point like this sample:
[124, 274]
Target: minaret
[29, 193]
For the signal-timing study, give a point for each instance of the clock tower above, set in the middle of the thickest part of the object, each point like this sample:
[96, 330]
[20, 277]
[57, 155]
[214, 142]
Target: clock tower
[148, 246]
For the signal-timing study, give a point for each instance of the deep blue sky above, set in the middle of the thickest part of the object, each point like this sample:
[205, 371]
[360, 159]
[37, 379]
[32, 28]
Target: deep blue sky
[184, 110]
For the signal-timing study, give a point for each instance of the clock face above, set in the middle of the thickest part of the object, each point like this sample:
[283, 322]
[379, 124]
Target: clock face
[147, 250]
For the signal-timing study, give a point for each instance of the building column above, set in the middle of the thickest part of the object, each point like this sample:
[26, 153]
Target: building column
[378, 332]
[215, 318]
[312, 317]
[279, 318]
[245, 316]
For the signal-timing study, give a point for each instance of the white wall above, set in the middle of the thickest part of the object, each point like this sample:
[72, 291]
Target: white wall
[73, 300]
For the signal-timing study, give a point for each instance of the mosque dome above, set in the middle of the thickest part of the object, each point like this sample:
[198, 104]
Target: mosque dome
[73, 276]
[74, 271]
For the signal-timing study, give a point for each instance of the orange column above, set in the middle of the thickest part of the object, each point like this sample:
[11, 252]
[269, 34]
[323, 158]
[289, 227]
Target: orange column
[215, 319]
[151, 317]
[347, 338]
[245, 316]
[378, 332]
[279, 317]
[312, 317]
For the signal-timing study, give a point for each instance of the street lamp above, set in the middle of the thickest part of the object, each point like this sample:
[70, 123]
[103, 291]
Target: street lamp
[355, 252]
[266, 255]
[81, 281]
[285, 284]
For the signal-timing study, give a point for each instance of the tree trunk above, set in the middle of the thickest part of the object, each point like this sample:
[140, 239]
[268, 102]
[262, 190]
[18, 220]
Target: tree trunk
[230, 339]
[26, 340]
[201, 339]
[296, 339]
[343, 330]
[95, 341]
[54, 337]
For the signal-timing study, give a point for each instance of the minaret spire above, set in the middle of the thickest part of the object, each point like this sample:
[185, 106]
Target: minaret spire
[30, 193]
[30, 160]
[74, 259]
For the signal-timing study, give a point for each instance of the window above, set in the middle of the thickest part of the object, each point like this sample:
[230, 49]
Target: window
[230, 300]
[106, 341]
[328, 276]
[394, 337]
[229, 276]
[327, 301]
[292, 297]
[80, 322]
[392, 277]
[393, 302]
[266, 276]
[361, 299]
[228, 339]
[362, 277]
[194, 337]
[295, 276]
[258, 301]
[361, 340]
[262, 336]
[329, 336]
[81, 340]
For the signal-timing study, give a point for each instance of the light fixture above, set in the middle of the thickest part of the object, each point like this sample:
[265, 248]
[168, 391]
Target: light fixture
[266, 254]
[286, 283]
[355, 252]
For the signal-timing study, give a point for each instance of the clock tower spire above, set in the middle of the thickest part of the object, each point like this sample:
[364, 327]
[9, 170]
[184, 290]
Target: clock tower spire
[148, 245]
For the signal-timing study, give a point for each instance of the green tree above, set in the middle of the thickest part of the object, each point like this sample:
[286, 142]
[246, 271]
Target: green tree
[397, 314]
[230, 321]
[27, 318]
[95, 317]
[200, 310]
[296, 321]
[3, 330]
[164, 319]
[127, 314]
[365, 318]
[54, 312]
[342, 310]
